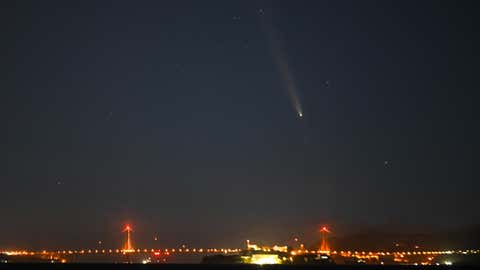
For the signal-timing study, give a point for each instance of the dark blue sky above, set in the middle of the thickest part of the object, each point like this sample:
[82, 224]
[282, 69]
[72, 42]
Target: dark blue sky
[173, 116]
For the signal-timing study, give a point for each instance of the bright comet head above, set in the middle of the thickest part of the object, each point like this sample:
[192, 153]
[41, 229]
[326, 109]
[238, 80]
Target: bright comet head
[300, 114]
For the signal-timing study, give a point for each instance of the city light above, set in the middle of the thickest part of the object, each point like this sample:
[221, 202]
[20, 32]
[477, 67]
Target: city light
[253, 254]
[265, 259]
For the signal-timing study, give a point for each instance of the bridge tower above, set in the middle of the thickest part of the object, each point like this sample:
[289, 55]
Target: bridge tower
[128, 247]
[324, 246]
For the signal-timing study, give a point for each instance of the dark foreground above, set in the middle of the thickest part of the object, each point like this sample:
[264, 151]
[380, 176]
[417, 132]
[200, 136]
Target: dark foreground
[224, 267]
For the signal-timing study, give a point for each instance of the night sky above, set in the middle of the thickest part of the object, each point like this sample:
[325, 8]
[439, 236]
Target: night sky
[177, 117]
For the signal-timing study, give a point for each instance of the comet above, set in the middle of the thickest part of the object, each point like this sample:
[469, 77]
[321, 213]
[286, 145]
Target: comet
[280, 59]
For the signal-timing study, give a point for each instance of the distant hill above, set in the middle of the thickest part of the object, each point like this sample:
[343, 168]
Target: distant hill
[376, 239]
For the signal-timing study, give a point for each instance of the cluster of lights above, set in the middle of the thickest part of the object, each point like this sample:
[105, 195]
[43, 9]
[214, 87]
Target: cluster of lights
[364, 255]
[256, 258]
[265, 259]
[236, 250]
[407, 253]
[96, 251]
[17, 252]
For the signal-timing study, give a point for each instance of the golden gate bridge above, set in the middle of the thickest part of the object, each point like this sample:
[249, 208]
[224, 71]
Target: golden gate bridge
[129, 254]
